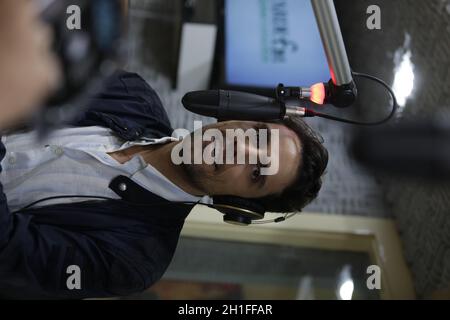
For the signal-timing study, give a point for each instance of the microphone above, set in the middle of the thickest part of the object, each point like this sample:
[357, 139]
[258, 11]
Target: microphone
[233, 105]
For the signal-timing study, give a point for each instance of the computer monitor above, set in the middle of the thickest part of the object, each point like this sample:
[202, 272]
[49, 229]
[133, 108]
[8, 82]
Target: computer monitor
[267, 42]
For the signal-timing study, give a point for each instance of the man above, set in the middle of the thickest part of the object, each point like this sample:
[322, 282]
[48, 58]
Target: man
[120, 150]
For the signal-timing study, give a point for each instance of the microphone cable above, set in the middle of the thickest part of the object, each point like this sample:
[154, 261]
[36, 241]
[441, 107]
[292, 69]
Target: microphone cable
[312, 113]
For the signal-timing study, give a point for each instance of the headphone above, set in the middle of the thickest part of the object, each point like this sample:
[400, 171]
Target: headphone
[236, 210]
[243, 212]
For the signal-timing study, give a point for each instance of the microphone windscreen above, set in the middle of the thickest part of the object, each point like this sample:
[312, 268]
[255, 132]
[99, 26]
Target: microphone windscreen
[197, 98]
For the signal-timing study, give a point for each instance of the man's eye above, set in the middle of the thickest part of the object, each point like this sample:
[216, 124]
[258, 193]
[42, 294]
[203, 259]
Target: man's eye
[256, 173]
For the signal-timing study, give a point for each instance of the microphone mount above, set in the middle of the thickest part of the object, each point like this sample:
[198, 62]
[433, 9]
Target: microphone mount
[321, 93]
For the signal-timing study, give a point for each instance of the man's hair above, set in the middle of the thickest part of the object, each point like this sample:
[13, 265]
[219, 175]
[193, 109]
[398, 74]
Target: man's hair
[313, 162]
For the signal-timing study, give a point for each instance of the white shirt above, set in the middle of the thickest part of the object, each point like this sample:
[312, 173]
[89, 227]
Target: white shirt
[74, 161]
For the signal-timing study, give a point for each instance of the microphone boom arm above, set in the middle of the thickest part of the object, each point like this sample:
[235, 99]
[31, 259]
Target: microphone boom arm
[332, 41]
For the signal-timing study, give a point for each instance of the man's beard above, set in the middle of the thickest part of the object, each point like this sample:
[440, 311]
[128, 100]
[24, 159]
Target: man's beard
[198, 174]
[195, 175]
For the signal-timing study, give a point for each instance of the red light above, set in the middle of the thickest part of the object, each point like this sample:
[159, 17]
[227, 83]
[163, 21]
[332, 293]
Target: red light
[333, 77]
[318, 93]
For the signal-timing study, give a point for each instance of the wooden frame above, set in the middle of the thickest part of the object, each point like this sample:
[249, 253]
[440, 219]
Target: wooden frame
[377, 237]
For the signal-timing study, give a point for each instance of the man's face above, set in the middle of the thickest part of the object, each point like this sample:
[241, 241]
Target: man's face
[245, 179]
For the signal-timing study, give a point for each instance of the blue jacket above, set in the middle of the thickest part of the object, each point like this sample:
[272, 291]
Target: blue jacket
[119, 247]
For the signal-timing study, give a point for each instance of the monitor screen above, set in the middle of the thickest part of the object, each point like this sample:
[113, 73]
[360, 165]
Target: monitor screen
[273, 41]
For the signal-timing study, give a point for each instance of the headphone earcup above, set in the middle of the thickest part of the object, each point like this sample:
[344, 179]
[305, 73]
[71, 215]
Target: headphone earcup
[239, 210]
[236, 220]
